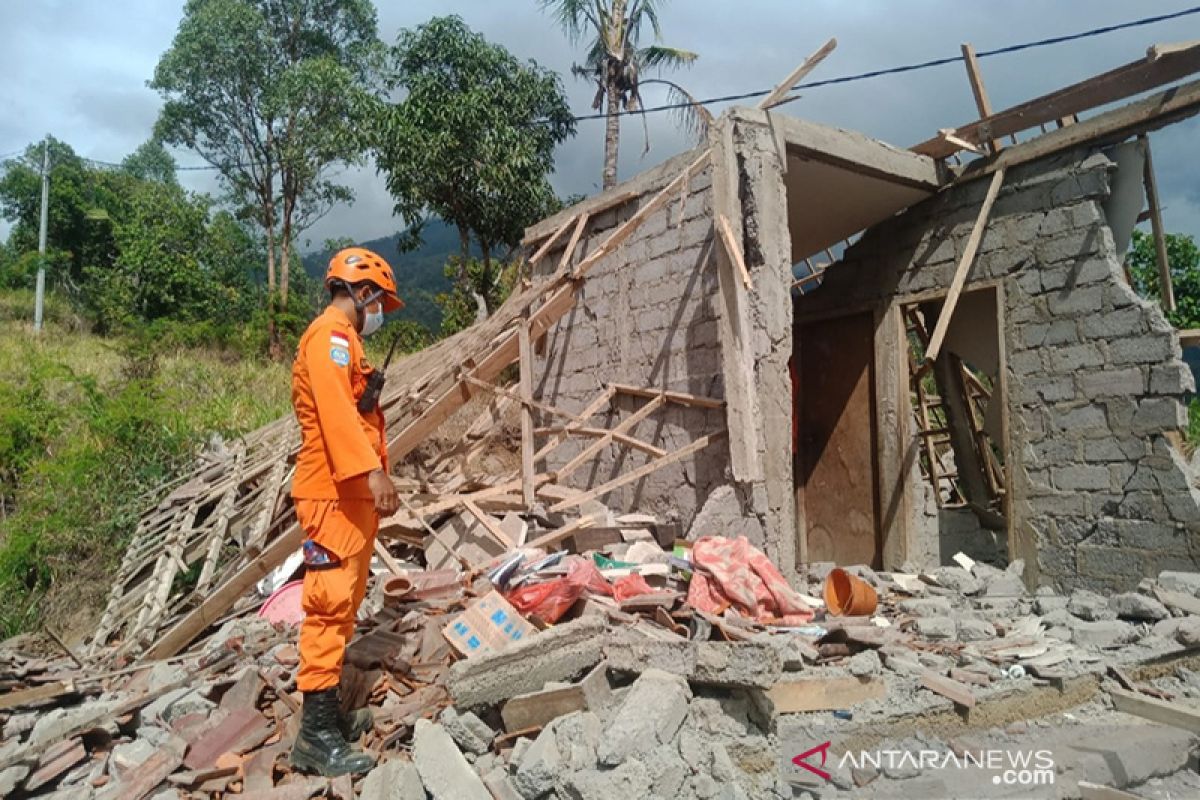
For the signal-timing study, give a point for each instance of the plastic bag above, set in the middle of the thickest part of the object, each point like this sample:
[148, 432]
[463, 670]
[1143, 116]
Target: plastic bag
[551, 599]
[633, 586]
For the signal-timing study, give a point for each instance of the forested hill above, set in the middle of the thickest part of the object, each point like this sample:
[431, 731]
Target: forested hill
[420, 274]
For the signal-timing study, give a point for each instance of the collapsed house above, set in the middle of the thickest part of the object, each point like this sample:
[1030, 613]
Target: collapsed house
[932, 373]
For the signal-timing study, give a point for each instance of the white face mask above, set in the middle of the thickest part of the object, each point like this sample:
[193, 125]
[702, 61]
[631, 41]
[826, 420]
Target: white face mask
[372, 321]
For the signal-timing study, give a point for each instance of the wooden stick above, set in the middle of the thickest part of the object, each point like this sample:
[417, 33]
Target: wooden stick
[628, 441]
[626, 229]
[595, 447]
[392, 564]
[785, 86]
[734, 249]
[1174, 714]
[437, 537]
[645, 469]
[590, 411]
[682, 398]
[62, 645]
[1166, 289]
[975, 77]
[545, 248]
[557, 535]
[569, 252]
[489, 524]
[964, 266]
[525, 360]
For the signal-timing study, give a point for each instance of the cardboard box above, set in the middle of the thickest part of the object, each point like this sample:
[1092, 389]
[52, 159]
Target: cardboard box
[489, 624]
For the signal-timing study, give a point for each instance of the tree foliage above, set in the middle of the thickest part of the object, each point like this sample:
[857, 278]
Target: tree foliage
[1183, 256]
[273, 94]
[472, 141]
[616, 61]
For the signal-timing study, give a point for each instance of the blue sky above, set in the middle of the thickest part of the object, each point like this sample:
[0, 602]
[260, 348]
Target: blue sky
[78, 69]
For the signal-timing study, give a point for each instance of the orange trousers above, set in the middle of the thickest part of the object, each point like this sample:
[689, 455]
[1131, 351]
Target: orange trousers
[332, 594]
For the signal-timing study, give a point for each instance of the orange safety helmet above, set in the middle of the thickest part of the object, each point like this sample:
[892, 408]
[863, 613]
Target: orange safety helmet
[357, 264]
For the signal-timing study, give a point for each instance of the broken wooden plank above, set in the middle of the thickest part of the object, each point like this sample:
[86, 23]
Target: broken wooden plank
[1100, 90]
[604, 433]
[36, 694]
[222, 599]
[1166, 288]
[568, 252]
[588, 412]
[1174, 713]
[640, 472]
[795, 76]
[558, 534]
[537, 709]
[626, 229]
[595, 447]
[490, 525]
[975, 77]
[545, 248]
[949, 688]
[55, 762]
[1155, 111]
[824, 694]
[734, 248]
[682, 398]
[964, 267]
[525, 360]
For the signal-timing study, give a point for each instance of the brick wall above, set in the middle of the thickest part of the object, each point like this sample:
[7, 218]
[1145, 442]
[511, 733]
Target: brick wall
[1095, 378]
[647, 317]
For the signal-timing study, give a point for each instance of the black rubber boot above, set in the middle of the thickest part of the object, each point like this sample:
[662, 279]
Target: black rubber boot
[320, 746]
[353, 724]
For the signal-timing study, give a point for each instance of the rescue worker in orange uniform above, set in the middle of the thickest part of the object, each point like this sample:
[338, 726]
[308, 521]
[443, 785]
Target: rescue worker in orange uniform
[341, 487]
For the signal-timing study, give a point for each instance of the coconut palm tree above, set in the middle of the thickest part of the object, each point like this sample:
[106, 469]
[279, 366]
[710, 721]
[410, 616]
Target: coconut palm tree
[615, 61]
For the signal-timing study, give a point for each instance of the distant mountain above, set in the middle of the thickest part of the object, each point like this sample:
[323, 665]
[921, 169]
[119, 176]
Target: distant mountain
[420, 274]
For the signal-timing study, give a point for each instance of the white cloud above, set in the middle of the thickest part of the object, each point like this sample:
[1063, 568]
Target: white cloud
[78, 69]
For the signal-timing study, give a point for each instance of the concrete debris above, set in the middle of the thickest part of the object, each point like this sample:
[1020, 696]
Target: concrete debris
[650, 715]
[393, 779]
[444, 771]
[1131, 605]
[1090, 606]
[468, 731]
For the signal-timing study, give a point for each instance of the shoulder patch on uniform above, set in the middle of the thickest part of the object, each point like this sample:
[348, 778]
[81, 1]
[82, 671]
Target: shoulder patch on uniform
[339, 339]
[340, 355]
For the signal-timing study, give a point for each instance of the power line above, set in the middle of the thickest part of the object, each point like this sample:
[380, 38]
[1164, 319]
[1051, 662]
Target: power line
[937, 62]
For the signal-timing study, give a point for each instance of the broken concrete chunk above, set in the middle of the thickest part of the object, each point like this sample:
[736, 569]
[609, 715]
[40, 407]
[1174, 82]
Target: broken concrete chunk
[578, 736]
[11, 778]
[958, 579]
[1188, 582]
[500, 785]
[937, 627]
[562, 652]
[1103, 633]
[1132, 605]
[864, 664]
[926, 607]
[627, 781]
[1187, 632]
[975, 630]
[1090, 606]
[56, 724]
[751, 664]
[649, 716]
[443, 769]
[393, 779]
[468, 731]
[540, 767]
[1044, 604]
[1004, 584]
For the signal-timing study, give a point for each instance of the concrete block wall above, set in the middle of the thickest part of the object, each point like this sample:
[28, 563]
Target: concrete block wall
[646, 317]
[1096, 383]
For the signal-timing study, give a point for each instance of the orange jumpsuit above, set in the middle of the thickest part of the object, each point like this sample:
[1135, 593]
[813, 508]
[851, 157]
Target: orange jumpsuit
[333, 501]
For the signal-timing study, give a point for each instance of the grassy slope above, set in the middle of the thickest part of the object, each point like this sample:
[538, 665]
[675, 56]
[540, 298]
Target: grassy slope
[88, 428]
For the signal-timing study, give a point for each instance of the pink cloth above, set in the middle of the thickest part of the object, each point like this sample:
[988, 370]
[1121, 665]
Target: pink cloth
[633, 586]
[732, 572]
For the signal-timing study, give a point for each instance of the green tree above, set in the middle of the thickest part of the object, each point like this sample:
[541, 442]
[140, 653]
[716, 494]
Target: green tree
[151, 162]
[615, 61]
[1183, 256]
[272, 93]
[81, 199]
[472, 142]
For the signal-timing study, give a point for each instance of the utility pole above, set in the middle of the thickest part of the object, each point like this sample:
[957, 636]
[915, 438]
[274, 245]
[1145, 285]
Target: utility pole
[41, 273]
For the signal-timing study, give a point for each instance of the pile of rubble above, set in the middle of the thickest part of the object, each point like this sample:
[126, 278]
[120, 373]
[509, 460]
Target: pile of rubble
[598, 673]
